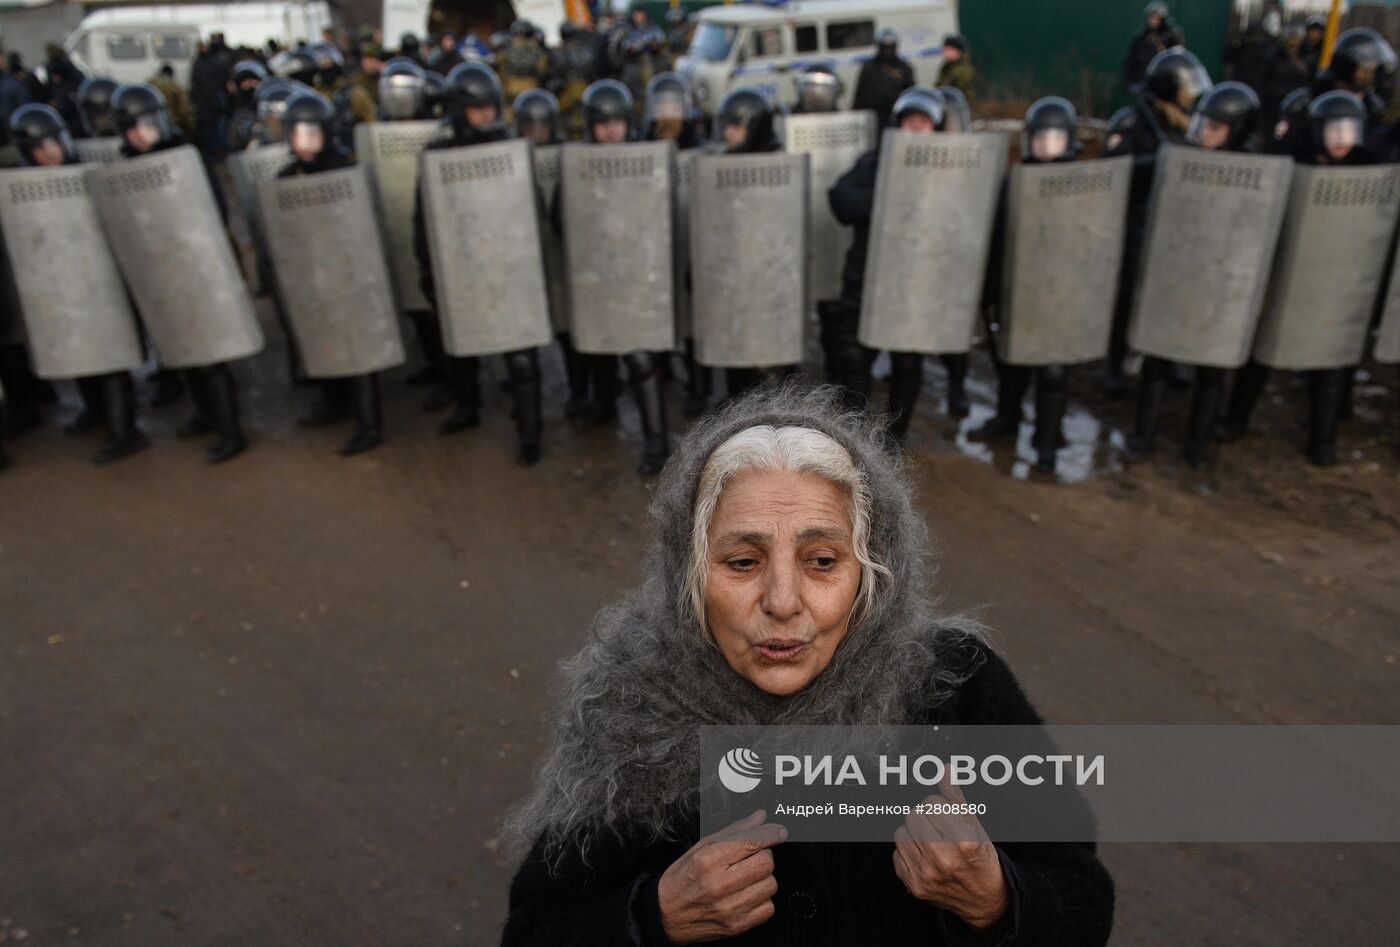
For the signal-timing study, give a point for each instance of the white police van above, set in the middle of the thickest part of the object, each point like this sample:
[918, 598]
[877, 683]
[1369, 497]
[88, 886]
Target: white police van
[762, 45]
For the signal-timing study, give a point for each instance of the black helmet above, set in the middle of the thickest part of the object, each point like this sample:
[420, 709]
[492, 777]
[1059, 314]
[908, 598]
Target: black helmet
[408, 42]
[31, 124]
[95, 105]
[957, 113]
[246, 69]
[1231, 103]
[330, 62]
[434, 92]
[751, 109]
[1365, 62]
[1292, 113]
[537, 116]
[523, 29]
[308, 107]
[1336, 121]
[272, 98]
[819, 87]
[401, 90]
[1122, 124]
[1175, 75]
[604, 101]
[140, 104]
[668, 97]
[925, 101]
[472, 84]
[300, 66]
[1051, 131]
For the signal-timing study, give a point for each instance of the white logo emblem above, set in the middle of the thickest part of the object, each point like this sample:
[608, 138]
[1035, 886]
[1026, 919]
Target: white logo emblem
[740, 770]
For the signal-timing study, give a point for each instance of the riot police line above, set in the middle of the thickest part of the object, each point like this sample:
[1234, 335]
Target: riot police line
[646, 240]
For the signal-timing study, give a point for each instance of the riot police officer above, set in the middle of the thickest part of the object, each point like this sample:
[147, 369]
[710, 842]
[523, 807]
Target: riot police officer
[819, 89]
[883, 78]
[1336, 133]
[401, 97]
[1049, 134]
[959, 117]
[143, 121]
[41, 136]
[434, 93]
[352, 103]
[920, 109]
[248, 74]
[1161, 113]
[95, 106]
[271, 103]
[537, 117]
[1364, 64]
[1224, 119]
[475, 109]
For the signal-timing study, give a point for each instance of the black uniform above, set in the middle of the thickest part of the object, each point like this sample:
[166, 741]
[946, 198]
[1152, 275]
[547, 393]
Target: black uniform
[882, 80]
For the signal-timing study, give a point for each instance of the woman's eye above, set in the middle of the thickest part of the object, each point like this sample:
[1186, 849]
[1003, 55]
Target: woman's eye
[742, 565]
[823, 562]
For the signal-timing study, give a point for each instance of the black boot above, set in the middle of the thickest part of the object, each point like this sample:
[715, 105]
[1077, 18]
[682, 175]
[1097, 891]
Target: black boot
[1326, 390]
[956, 367]
[1152, 390]
[19, 384]
[1347, 396]
[364, 404]
[443, 391]
[651, 407]
[223, 404]
[524, 371]
[1200, 426]
[197, 380]
[429, 335]
[906, 381]
[1012, 382]
[331, 404]
[697, 383]
[602, 376]
[93, 412]
[576, 375]
[1249, 384]
[466, 395]
[124, 438]
[1051, 396]
[166, 388]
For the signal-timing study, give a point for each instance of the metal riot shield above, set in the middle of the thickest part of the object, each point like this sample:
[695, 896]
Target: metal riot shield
[556, 273]
[1328, 269]
[391, 151]
[935, 204]
[834, 140]
[1061, 256]
[1212, 224]
[103, 150]
[1388, 336]
[680, 242]
[248, 168]
[749, 259]
[171, 247]
[324, 245]
[617, 240]
[75, 308]
[488, 267]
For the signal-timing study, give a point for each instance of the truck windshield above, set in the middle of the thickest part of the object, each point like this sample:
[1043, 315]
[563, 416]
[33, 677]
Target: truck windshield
[713, 41]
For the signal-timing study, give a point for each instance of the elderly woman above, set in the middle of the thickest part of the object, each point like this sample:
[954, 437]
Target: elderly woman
[786, 586]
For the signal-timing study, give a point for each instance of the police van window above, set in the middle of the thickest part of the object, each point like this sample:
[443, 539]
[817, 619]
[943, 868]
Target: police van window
[713, 41]
[806, 38]
[767, 41]
[126, 47]
[850, 34]
[171, 46]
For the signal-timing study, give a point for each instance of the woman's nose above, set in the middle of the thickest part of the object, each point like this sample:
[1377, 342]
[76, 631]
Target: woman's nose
[782, 599]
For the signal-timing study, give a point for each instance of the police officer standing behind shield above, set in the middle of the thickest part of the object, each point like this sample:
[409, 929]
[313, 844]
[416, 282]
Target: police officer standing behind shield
[476, 115]
[42, 138]
[1157, 34]
[883, 77]
[144, 123]
[819, 89]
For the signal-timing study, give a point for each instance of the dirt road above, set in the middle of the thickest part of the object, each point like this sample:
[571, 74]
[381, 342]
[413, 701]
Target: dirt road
[287, 700]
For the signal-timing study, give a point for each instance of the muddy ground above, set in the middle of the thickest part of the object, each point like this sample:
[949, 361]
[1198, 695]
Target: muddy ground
[287, 700]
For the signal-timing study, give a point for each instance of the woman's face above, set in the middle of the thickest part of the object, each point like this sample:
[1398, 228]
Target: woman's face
[782, 577]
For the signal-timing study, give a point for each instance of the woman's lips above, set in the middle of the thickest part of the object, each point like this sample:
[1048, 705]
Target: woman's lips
[781, 649]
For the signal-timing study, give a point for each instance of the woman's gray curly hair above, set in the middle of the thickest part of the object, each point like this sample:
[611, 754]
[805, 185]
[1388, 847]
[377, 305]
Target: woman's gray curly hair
[624, 758]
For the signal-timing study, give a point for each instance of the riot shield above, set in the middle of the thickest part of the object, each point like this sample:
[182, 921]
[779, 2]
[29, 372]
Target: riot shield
[935, 204]
[164, 230]
[98, 150]
[391, 152]
[834, 140]
[556, 272]
[1388, 336]
[617, 240]
[248, 168]
[1212, 223]
[75, 308]
[324, 245]
[483, 233]
[749, 259]
[1060, 260]
[1328, 269]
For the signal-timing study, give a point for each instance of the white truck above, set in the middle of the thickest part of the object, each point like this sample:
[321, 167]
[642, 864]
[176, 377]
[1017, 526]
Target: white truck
[130, 43]
[761, 46]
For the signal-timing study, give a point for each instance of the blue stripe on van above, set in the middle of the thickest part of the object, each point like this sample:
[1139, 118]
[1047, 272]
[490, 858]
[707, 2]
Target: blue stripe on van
[926, 52]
